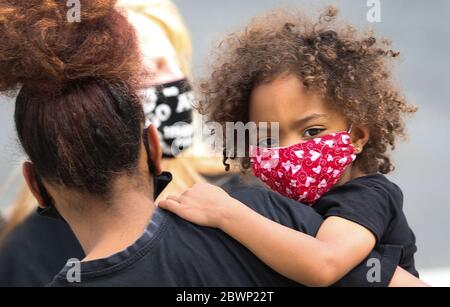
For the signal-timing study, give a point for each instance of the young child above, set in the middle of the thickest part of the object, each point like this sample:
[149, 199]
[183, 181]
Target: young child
[330, 90]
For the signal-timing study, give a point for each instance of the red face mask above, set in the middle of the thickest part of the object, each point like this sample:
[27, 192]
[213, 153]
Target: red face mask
[307, 170]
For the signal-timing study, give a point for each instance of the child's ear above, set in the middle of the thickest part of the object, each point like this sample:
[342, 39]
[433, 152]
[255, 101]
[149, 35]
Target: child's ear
[360, 136]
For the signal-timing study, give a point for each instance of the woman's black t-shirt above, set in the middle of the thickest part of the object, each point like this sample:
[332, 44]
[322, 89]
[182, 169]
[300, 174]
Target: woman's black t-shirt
[34, 252]
[376, 203]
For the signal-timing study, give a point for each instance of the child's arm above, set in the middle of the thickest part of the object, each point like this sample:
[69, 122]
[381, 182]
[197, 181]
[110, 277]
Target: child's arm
[339, 247]
[403, 278]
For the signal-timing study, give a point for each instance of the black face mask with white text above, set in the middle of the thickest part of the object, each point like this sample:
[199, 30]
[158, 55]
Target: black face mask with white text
[169, 107]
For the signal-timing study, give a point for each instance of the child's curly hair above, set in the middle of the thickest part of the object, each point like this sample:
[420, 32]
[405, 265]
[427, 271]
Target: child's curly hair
[350, 70]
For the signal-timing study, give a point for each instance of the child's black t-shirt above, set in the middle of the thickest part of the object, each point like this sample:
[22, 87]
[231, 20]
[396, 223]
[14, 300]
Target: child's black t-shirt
[377, 204]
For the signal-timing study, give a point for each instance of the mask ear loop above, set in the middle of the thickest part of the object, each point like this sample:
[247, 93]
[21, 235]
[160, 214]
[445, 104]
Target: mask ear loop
[160, 182]
[358, 149]
[350, 129]
[151, 166]
[50, 209]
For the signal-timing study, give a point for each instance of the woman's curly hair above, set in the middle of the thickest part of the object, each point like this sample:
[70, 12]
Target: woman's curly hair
[350, 70]
[41, 49]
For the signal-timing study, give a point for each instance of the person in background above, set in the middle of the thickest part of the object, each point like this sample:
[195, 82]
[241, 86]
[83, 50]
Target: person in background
[168, 98]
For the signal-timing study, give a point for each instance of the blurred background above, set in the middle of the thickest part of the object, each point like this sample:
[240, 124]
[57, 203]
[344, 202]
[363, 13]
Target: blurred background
[420, 30]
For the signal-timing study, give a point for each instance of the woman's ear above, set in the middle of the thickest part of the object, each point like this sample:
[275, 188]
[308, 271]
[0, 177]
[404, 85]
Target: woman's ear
[30, 178]
[155, 148]
[360, 137]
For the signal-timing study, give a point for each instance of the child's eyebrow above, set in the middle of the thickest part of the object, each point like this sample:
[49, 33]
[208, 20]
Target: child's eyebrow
[301, 122]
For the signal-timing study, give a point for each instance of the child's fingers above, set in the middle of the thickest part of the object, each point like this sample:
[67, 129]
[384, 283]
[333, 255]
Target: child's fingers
[170, 205]
[176, 198]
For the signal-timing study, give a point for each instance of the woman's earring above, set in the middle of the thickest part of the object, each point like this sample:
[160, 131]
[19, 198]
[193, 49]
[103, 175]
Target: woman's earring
[358, 150]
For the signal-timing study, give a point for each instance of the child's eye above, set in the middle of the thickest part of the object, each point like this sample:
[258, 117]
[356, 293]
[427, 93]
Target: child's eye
[268, 142]
[312, 132]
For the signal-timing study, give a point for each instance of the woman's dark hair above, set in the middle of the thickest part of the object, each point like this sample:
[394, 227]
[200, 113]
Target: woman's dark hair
[351, 70]
[77, 114]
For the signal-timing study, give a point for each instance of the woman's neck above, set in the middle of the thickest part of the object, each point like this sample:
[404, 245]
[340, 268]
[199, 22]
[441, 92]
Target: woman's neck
[109, 229]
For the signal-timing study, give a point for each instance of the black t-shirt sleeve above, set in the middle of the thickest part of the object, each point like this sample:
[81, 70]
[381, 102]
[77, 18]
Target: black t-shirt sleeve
[303, 218]
[362, 202]
[280, 209]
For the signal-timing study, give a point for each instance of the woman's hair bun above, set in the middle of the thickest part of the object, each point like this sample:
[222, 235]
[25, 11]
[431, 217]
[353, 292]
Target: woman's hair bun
[44, 46]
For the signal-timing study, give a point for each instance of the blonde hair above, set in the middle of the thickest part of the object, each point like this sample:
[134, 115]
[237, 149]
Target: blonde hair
[167, 16]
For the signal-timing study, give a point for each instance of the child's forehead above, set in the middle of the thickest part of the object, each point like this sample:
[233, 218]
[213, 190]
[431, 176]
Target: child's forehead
[284, 100]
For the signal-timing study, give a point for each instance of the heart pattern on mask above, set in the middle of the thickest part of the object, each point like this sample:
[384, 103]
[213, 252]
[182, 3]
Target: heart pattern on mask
[299, 153]
[345, 138]
[307, 170]
[286, 165]
[309, 180]
[336, 173]
[343, 160]
[275, 155]
[314, 155]
[323, 183]
[295, 169]
[317, 169]
[330, 143]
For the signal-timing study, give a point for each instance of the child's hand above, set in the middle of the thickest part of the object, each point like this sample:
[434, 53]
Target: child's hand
[202, 204]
